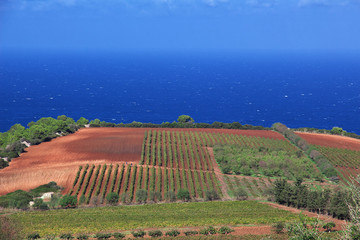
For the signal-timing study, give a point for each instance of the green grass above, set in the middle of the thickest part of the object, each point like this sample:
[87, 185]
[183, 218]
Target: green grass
[102, 219]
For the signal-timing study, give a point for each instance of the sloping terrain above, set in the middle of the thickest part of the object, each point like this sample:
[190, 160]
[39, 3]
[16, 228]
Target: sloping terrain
[58, 160]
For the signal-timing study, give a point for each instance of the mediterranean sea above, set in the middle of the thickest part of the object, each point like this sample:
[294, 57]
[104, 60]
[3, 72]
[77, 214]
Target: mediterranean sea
[310, 89]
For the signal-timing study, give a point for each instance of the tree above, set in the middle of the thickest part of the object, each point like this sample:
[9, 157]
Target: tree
[353, 203]
[183, 194]
[141, 195]
[82, 121]
[337, 131]
[40, 205]
[185, 119]
[112, 198]
[68, 201]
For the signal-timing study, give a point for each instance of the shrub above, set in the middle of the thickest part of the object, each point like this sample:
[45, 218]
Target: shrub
[82, 237]
[119, 235]
[155, 233]
[103, 235]
[208, 231]
[241, 194]
[278, 227]
[171, 196]
[40, 205]
[172, 233]
[82, 199]
[225, 230]
[141, 196]
[183, 194]
[328, 226]
[155, 196]
[126, 198]
[139, 234]
[112, 198]
[68, 201]
[211, 195]
[190, 233]
[66, 236]
[33, 236]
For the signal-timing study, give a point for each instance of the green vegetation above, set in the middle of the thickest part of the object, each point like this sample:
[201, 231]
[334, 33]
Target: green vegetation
[318, 200]
[20, 199]
[334, 131]
[263, 161]
[92, 220]
[321, 161]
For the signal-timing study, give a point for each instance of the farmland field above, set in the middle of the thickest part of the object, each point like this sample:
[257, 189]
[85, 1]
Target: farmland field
[342, 152]
[92, 220]
[59, 159]
[334, 141]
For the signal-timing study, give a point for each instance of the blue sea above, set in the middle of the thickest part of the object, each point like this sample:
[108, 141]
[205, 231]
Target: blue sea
[299, 89]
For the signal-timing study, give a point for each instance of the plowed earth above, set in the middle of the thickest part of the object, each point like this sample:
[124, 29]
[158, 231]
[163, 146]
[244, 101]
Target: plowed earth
[331, 140]
[58, 160]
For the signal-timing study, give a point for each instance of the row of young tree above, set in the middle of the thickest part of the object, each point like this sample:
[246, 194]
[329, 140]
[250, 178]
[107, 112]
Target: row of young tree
[320, 160]
[323, 201]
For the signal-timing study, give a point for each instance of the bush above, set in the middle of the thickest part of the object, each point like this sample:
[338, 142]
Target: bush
[40, 205]
[208, 231]
[171, 196]
[211, 195]
[33, 236]
[66, 236]
[103, 235]
[139, 234]
[112, 198]
[68, 201]
[183, 194]
[82, 199]
[225, 230]
[190, 233]
[172, 233]
[82, 237]
[119, 235]
[241, 194]
[155, 196]
[328, 226]
[278, 227]
[126, 198]
[141, 196]
[155, 233]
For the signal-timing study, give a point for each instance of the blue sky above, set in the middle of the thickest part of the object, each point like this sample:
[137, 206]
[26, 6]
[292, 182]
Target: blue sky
[179, 25]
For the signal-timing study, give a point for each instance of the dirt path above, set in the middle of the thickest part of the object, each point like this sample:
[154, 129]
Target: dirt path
[219, 174]
[340, 224]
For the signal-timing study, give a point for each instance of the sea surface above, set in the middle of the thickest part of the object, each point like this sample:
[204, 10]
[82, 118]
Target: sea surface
[312, 89]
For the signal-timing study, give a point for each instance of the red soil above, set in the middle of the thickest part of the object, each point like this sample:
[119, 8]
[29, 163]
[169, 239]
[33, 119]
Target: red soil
[219, 174]
[58, 160]
[327, 140]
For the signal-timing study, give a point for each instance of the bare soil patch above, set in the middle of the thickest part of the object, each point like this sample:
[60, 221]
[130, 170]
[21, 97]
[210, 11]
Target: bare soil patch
[58, 160]
[327, 140]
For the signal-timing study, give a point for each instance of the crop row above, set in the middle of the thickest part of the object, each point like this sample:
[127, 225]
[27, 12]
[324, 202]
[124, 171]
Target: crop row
[187, 149]
[126, 180]
[341, 157]
[254, 187]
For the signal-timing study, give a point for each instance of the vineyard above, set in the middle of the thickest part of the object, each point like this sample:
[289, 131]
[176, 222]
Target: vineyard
[346, 161]
[254, 187]
[95, 182]
[171, 160]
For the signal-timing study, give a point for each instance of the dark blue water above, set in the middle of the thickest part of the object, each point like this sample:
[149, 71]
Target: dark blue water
[319, 90]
